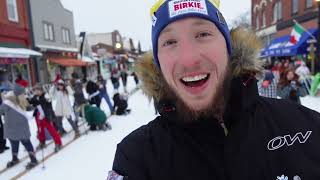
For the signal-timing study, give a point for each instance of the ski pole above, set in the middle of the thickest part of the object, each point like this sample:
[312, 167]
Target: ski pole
[43, 166]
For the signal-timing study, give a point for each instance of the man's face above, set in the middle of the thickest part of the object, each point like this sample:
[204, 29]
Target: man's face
[193, 57]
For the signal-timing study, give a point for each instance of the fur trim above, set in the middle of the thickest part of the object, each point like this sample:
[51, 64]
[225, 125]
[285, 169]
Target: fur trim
[245, 49]
[244, 61]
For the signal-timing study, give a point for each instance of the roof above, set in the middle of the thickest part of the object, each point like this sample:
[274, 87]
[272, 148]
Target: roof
[17, 52]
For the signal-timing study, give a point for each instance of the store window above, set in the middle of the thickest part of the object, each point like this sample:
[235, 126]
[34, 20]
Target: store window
[295, 6]
[263, 19]
[12, 10]
[309, 3]
[277, 11]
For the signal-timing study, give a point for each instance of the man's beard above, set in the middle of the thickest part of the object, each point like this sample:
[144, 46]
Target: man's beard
[214, 110]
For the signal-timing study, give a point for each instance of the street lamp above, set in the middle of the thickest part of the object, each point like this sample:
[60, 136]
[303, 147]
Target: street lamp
[118, 45]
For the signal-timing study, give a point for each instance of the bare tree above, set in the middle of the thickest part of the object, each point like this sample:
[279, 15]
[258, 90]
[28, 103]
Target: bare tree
[243, 20]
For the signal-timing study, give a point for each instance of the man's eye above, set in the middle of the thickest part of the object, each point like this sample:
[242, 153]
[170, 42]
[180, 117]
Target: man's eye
[169, 42]
[203, 34]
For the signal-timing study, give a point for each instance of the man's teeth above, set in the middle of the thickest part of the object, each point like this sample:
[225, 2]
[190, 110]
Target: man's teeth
[195, 78]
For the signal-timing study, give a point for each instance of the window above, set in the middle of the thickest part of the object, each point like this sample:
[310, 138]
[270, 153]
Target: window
[66, 36]
[263, 19]
[295, 6]
[12, 10]
[48, 31]
[277, 11]
[257, 22]
[309, 3]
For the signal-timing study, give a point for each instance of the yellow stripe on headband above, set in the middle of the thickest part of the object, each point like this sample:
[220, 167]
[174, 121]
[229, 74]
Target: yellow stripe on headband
[156, 6]
[216, 3]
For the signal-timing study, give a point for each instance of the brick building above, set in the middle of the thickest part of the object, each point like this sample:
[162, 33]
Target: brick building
[273, 20]
[15, 41]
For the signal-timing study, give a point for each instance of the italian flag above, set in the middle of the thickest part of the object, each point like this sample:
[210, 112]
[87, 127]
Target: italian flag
[296, 33]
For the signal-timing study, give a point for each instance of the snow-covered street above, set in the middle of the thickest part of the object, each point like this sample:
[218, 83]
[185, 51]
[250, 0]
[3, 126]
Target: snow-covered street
[91, 156]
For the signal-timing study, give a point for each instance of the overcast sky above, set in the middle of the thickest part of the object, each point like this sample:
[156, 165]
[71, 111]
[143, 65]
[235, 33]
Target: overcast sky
[130, 17]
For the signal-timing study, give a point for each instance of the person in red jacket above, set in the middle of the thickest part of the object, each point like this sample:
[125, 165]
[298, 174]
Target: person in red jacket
[21, 81]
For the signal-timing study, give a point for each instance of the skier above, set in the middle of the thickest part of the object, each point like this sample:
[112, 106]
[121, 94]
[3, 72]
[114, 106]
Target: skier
[3, 89]
[212, 123]
[96, 118]
[104, 93]
[115, 74]
[16, 126]
[79, 99]
[93, 92]
[44, 116]
[61, 92]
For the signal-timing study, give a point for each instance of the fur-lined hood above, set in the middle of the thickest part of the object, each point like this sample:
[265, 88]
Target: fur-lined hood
[244, 61]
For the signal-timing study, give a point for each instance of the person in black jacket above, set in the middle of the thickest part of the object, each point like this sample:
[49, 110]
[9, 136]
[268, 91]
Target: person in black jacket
[44, 116]
[212, 123]
[93, 91]
[3, 88]
[120, 104]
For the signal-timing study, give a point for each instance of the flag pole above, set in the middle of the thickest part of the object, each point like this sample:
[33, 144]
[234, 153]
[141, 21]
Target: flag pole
[295, 22]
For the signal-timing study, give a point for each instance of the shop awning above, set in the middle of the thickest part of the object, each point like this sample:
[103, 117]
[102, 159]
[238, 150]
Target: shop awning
[89, 60]
[17, 52]
[69, 62]
[283, 47]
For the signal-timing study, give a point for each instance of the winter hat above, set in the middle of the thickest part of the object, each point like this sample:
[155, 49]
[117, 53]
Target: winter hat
[58, 77]
[165, 12]
[18, 90]
[38, 87]
[60, 81]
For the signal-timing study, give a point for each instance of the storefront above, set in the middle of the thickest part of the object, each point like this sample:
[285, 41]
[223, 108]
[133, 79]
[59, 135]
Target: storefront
[281, 47]
[17, 61]
[66, 66]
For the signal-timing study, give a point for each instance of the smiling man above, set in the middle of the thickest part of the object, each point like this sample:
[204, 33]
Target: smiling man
[213, 124]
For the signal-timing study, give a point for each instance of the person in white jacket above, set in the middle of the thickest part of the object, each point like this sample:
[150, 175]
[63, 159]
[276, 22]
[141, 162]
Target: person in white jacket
[63, 108]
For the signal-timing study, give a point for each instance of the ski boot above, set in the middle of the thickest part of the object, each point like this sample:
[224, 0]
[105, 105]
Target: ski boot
[76, 134]
[41, 145]
[32, 163]
[62, 133]
[108, 126]
[102, 127]
[57, 148]
[13, 162]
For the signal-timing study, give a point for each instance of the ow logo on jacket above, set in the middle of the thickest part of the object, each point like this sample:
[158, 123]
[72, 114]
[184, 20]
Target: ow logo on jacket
[280, 141]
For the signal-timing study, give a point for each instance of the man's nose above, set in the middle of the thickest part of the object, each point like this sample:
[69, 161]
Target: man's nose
[189, 56]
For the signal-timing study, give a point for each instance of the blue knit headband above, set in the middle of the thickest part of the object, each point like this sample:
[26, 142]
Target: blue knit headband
[165, 12]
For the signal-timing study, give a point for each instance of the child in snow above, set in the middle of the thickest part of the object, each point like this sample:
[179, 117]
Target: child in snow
[63, 108]
[44, 115]
[120, 104]
[16, 127]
